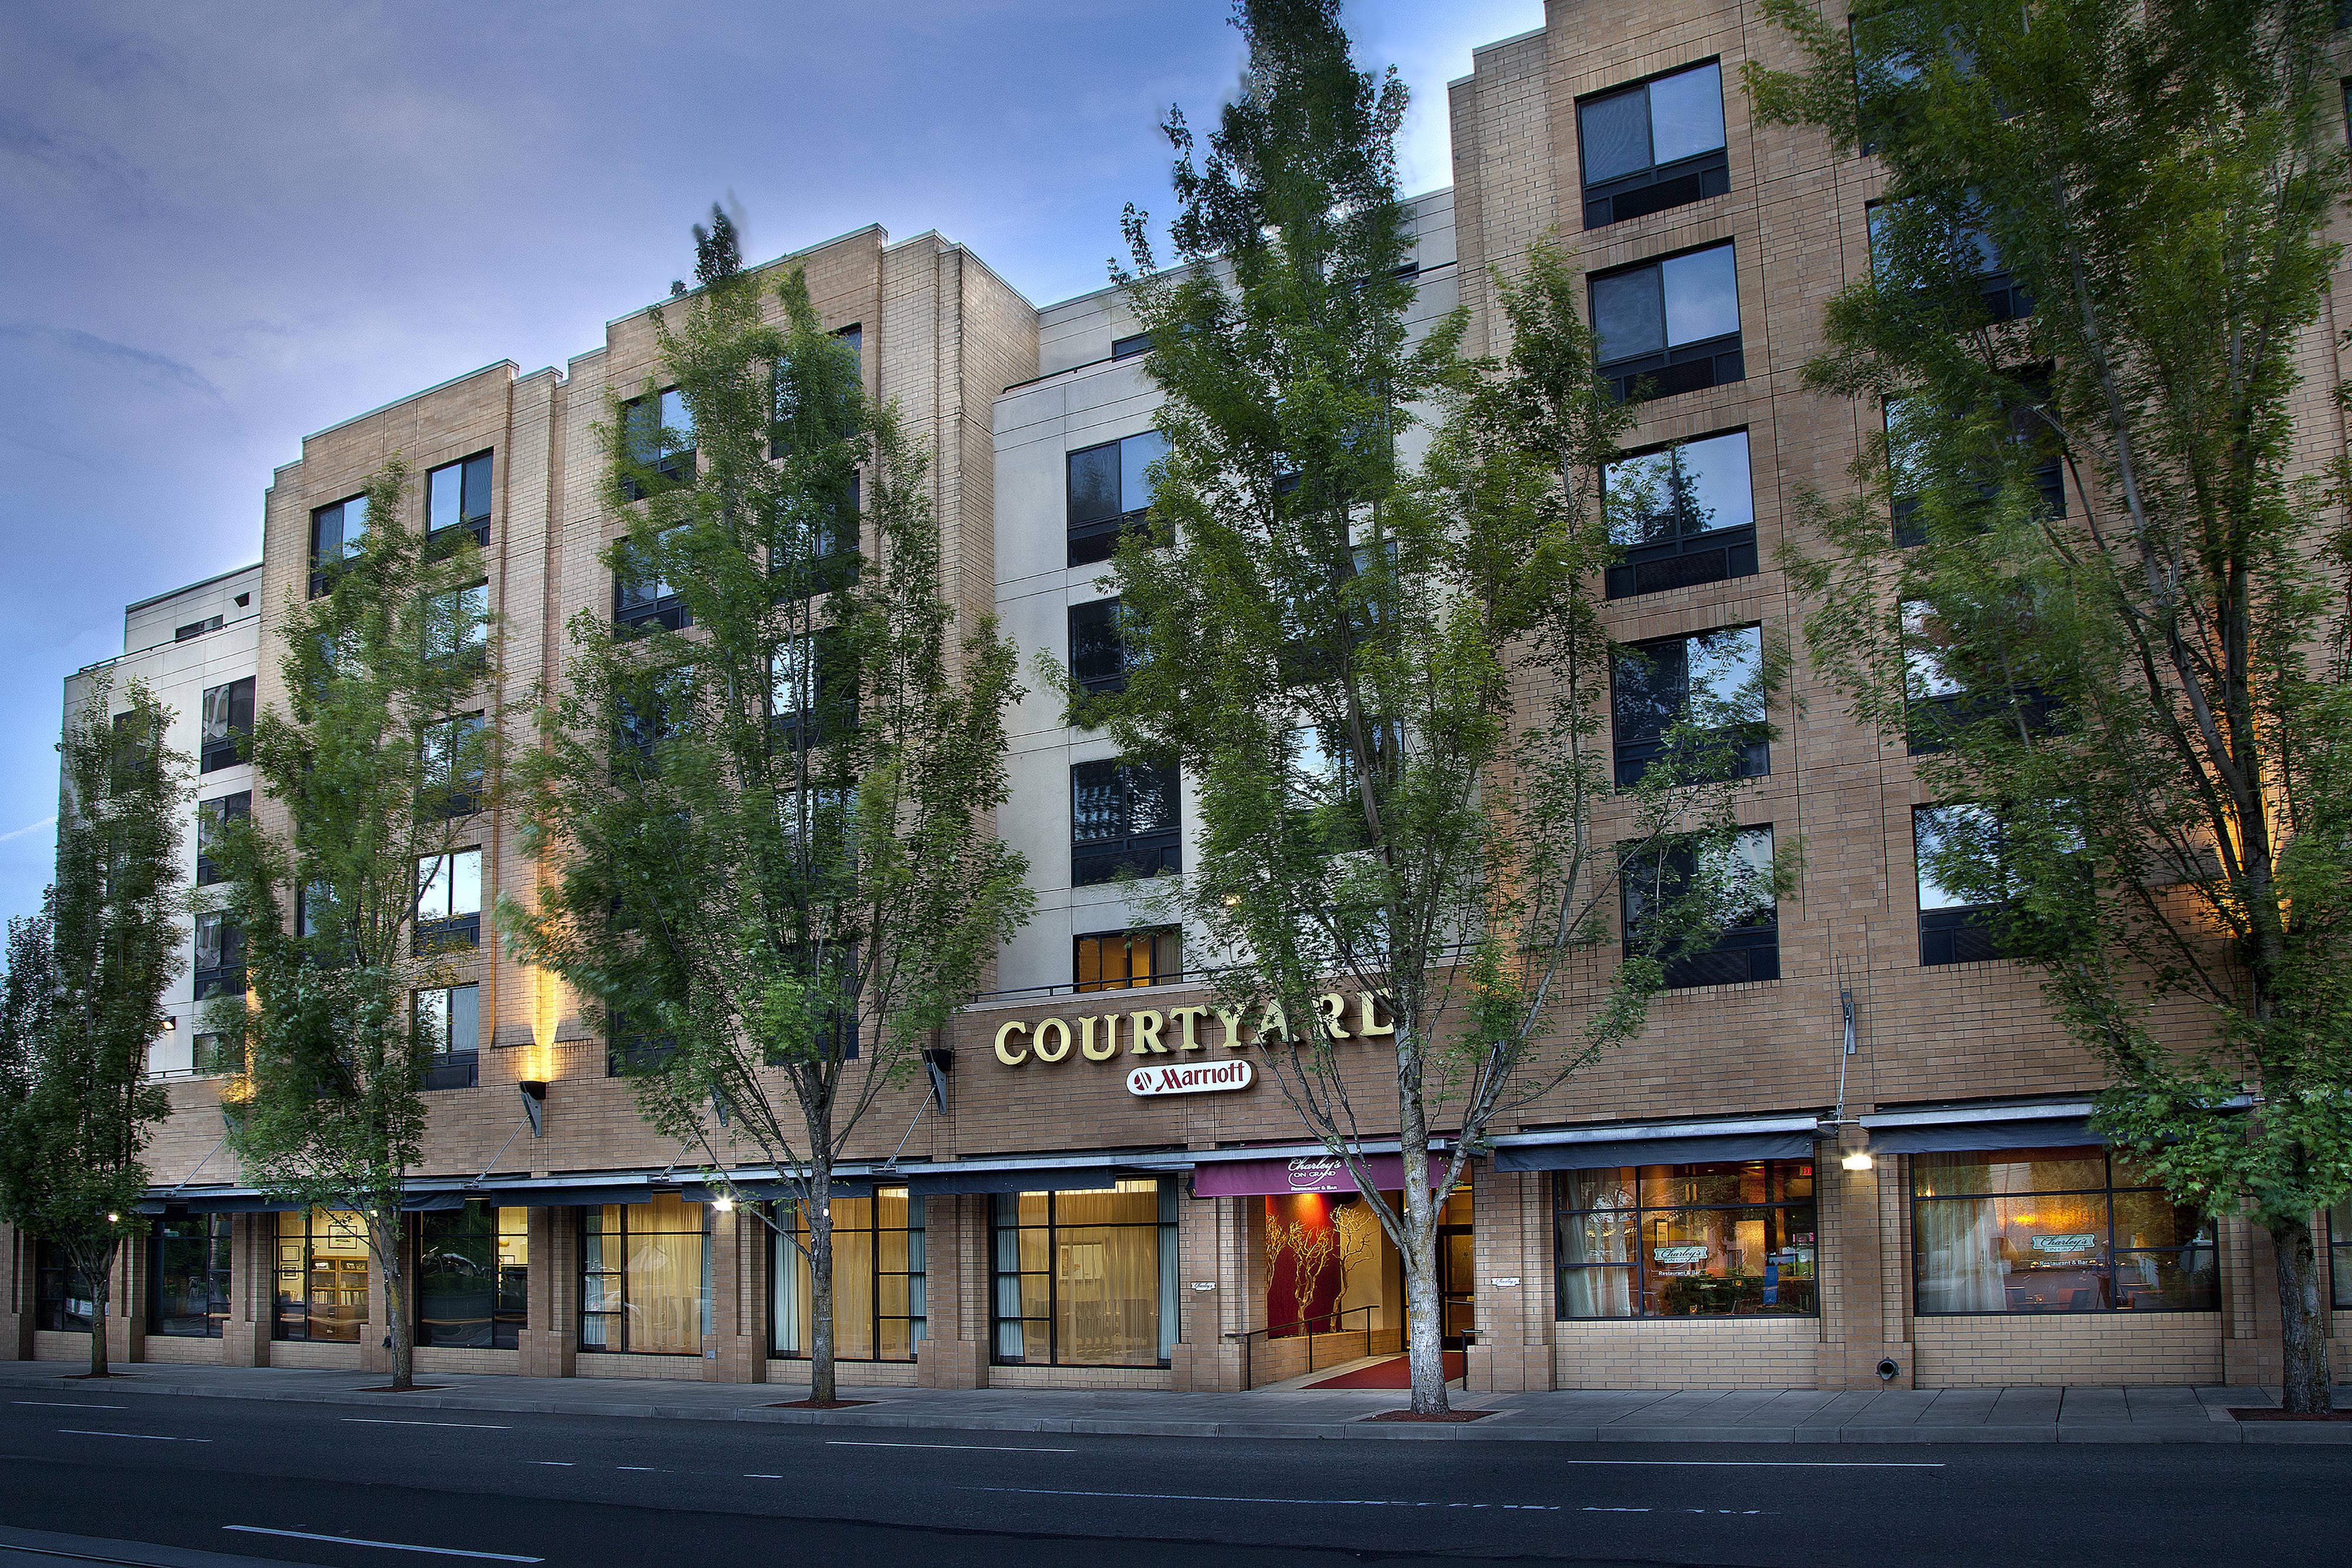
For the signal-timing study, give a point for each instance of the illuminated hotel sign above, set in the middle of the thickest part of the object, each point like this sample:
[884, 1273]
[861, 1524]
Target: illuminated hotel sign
[1190, 1078]
[1149, 1032]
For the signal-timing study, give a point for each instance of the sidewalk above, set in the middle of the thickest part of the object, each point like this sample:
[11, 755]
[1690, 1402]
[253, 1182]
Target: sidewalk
[2075, 1414]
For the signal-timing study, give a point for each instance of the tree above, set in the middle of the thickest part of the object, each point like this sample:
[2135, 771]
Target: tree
[363, 908]
[770, 817]
[2102, 254]
[1387, 682]
[83, 1000]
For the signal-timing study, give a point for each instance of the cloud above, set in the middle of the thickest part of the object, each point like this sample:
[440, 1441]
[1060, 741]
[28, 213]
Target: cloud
[28, 828]
[159, 367]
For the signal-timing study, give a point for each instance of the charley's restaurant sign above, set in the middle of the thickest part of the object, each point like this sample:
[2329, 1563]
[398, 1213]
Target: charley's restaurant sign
[1151, 1032]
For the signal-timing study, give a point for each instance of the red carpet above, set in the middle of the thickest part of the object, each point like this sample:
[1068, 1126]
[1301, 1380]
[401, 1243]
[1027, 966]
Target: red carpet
[1396, 1372]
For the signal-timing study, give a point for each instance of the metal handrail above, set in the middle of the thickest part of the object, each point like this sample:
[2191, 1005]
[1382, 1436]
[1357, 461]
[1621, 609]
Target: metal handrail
[1246, 1338]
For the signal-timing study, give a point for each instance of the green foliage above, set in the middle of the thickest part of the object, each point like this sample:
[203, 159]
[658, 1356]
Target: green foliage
[370, 770]
[2154, 705]
[83, 998]
[1386, 681]
[767, 821]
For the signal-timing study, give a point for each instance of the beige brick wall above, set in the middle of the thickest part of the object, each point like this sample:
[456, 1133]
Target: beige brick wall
[2084, 1348]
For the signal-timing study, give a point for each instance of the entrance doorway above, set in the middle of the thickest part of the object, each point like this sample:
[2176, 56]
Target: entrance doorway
[1334, 1290]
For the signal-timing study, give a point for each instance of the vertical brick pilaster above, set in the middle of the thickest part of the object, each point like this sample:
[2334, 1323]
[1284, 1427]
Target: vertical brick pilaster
[955, 1292]
[549, 1341]
[1513, 1348]
[252, 1290]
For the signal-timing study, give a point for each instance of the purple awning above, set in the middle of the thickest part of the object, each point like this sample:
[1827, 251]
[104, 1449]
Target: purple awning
[1307, 1173]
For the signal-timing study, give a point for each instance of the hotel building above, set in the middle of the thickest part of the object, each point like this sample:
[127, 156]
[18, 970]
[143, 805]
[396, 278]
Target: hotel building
[1679, 1215]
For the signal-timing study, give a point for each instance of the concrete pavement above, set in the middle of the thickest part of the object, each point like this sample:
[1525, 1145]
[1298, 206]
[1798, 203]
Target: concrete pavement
[2069, 1415]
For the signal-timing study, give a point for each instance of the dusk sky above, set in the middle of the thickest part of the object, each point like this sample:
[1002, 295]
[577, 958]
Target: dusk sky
[229, 225]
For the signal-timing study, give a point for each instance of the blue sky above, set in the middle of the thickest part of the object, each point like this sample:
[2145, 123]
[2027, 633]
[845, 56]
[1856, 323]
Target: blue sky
[231, 225]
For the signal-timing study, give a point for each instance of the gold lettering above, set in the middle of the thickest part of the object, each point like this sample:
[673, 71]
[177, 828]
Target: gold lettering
[1010, 1058]
[1059, 1028]
[1086, 1038]
[1232, 1018]
[1272, 1023]
[1334, 1009]
[1364, 1016]
[1188, 1019]
[1143, 1033]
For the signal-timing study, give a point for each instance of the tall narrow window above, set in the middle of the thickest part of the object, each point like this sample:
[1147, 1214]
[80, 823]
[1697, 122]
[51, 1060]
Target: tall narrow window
[1685, 514]
[227, 722]
[338, 533]
[1109, 492]
[2339, 1253]
[473, 1277]
[658, 436]
[660, 705]
[188, 1274]
[643, 594]
[1087, 1278]
[322, 1275]
[879, 1294]
[1123, 819]
[1654, 146]
[454, 754]
[1743, 943]
[645, 1277]
[1670, 326]
[213, 818]
[457, 626]
[458, 495]
[812, 700]
[448, 1024]
[1694, 702]
[1098, 650]
[66, 1296]
[220, 957]
[449, 901]
[1957, 925]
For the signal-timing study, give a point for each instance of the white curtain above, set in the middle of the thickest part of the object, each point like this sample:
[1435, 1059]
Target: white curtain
[1959, 1260]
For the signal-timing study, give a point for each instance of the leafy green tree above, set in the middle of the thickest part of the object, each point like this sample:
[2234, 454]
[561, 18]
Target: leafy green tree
[769, 812]
[83, 1000]
[1388, 682]
[353, 893]
[2103, 253]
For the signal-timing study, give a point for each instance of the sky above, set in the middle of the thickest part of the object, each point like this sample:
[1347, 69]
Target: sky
[229, 226]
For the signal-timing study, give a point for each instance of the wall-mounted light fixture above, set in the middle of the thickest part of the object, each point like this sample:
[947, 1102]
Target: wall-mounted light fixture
[171, 1024]
[535, 1105]
[1858, 1160]
[723, 1204]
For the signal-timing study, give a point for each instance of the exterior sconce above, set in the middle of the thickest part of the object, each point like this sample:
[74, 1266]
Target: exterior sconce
[1858, 1160]
[723, 1204]
[535, 1105]
[171, 1024]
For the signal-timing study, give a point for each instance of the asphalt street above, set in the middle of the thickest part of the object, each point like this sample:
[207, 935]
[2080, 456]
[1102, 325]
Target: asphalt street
[324, 1484]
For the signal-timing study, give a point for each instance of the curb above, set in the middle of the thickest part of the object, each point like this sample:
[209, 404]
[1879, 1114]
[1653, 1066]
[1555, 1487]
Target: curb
[1510, 1423]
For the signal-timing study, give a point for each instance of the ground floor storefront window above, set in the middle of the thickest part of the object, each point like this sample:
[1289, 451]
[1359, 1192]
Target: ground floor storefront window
[188, 1271]
[878, 1287]
[322, 1275]
[2054, 1230]
[645, 1277]
[1087, 1278]
[1729, 1240]
[66, 1296]
[473, 1276]
[2339, 1236]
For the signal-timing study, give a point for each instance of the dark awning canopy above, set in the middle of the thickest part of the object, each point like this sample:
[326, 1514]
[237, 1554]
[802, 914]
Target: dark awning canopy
[1676, 1146]
[1042, 1178]
[1940, 1137]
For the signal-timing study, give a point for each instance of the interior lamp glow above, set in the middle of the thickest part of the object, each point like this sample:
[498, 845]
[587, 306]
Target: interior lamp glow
[1859, 1160]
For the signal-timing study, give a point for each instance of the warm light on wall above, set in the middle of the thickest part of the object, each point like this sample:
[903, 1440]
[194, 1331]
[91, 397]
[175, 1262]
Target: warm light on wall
[1859, 1160]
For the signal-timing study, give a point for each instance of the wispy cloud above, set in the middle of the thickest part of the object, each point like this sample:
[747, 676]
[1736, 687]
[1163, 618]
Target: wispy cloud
[28, 828]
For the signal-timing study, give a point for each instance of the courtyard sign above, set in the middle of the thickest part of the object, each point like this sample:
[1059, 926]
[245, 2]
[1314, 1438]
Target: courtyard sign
[1190, 1078]
[1148, 1032]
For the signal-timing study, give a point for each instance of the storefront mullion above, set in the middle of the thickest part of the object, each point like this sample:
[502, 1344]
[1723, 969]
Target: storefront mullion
[188, 1276]
[322, 1276]
[645, 1277]
[880, 1290]
[1723, 1239]
[1086, 1277]
[473, 1276]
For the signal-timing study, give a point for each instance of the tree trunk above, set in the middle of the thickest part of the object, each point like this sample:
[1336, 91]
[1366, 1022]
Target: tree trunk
[2303, 1381]
[384, 1238]
[101, 1287]
[820, 1219]
[1424, 1307]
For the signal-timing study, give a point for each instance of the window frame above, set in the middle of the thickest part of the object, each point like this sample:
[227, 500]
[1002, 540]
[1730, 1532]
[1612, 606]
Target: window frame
[476, 524]
[225, 977]
[1672, 368]
[619, 1316]
[452, 1054]
[440, 930]
[507, 1319]
[325, 572]
[1085, 618]
[2207, 1237]
[283, 1316]
[1633, 750]
[1953, 933]
[217, 1260]
[1756, 943]
[236, 806]
[785, 1263]
[221, 724]
[1160, 942]
[1657, 187]
[1095, 540]
[1641, 1264]
[1688, 560]
[673, 464]
[1166, 1240]
[53, 1276]
[1097, 861]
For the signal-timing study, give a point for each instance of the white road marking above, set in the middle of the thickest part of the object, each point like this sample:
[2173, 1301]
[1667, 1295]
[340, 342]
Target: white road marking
[1340, 1501]
[384, 1421]
[565, 1463]
[756, 1476]
[1774, 1463]
[964, 1448]
[144, 1437]
[386, 1545]
[61, 1405]
[649, 1469]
